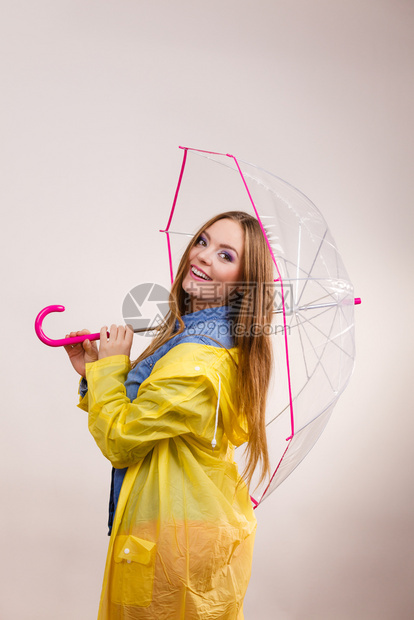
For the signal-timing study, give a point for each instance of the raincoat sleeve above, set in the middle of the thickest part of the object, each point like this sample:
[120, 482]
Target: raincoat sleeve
[177, 399]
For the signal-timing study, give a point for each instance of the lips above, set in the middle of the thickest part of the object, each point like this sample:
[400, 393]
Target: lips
[196, 273]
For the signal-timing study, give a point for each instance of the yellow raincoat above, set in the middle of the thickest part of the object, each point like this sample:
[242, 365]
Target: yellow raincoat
[182, 540]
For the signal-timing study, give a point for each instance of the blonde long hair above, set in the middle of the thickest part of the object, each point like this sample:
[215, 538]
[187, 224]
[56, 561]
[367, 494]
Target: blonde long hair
[249, 321]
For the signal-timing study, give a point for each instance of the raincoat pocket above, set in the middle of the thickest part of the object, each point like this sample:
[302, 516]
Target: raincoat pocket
[133, 571]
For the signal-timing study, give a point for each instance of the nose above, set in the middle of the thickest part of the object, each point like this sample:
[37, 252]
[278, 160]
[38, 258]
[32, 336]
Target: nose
[204, 255]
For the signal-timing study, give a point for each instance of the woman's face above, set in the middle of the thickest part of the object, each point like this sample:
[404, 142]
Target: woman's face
[214, 263]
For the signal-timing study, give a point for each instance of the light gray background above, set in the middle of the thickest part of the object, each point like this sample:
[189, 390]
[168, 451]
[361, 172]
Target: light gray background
[96, 97]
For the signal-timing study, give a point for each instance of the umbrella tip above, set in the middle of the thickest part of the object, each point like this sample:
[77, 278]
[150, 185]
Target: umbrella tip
[357, 301]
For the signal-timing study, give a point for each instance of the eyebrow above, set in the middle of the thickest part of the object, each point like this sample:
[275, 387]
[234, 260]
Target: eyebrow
[222, 245]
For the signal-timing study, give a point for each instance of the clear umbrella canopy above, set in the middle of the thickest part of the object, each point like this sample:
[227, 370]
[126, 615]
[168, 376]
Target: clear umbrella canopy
[313, 299]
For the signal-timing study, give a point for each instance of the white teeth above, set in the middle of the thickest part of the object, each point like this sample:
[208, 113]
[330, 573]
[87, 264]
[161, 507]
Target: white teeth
[200, 274]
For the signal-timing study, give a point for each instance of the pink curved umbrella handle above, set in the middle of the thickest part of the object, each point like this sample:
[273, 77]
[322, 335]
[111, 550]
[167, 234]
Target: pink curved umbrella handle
[63, 341]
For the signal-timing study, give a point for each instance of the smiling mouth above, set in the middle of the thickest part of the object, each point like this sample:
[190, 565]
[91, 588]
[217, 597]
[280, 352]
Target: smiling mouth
[198, 273]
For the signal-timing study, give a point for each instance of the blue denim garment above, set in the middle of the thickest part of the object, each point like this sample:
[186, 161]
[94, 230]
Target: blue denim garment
[213, 322]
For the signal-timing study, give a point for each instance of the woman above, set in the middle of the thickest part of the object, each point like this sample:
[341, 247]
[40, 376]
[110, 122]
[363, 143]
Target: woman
[182, 536]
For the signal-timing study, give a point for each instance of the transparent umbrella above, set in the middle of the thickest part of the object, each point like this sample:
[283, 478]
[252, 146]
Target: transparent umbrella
[313, 298]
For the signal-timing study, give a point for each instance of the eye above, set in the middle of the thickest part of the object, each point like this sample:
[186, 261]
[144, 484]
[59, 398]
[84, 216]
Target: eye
[201, 240]
[227, 256]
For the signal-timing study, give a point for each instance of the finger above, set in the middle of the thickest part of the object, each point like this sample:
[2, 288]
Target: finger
[129, 334]
[113, 332]
[78, 333]
[75, 335]
[103, 334]
[68, 347]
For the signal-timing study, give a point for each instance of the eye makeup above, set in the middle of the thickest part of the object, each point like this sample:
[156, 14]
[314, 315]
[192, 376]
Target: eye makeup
[229, 256]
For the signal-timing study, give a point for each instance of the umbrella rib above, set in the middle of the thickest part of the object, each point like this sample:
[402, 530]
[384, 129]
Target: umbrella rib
[326, 308]
[313, 264]
[297, 265]
[319, 357]
[325, 335]
[314, 305]
[175, 232]
[309, 376]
